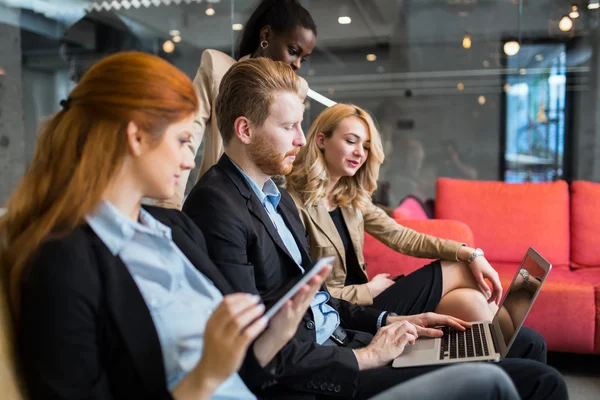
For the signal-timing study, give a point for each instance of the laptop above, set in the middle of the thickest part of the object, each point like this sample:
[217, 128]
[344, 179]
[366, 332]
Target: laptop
[484, 341]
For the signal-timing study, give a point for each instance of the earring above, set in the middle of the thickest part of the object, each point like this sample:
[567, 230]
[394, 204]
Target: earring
[264, 44]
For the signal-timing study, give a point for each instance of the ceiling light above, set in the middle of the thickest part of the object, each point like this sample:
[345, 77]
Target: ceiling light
[210, 11]
[237, 27]
[463, 14]
[168, 46]
[481, 100]
[371, 57]
[511, 48]
[574, 12]
[594, 5]
[539, 57]
[523, 71]
[331, 91]
[485, 63]
[460, 86]
[466, 43]
[312, 72]
[345, 20]
[506, 87]
[174, 32]
[177, 39]
[565, 24]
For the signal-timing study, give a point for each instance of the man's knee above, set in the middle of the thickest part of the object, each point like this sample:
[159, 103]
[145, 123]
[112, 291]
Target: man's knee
[489, 382]
[529, 344]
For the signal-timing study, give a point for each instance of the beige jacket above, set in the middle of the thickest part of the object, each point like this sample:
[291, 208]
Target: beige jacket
[213, 66]
[325, 241]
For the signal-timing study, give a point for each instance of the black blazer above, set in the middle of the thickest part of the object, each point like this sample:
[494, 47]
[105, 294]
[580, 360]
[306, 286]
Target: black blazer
[243, 242]
[85, 330]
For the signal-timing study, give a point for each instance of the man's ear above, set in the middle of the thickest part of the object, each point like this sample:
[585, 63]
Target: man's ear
[134, 139]
[243, 130]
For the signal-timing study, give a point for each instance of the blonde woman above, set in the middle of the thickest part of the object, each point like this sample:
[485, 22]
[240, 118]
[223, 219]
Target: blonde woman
[331, 183]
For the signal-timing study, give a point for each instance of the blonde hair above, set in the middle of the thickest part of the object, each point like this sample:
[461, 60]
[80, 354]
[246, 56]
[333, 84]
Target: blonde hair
[248, 89]
[81, 148]
[310, 176]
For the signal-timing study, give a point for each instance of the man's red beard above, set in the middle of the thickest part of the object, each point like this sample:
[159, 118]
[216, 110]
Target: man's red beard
[264, 154]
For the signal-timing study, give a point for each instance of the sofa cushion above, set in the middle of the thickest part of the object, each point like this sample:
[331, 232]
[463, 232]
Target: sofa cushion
[381, 259]
[410, 208]
[565, 310]
[508, 218]
[585, 224]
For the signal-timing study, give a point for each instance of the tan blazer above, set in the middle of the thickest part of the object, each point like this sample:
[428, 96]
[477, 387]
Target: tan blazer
[213, 66]
[325, 241]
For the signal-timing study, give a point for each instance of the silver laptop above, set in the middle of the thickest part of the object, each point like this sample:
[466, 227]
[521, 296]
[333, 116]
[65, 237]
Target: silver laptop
[484, 341]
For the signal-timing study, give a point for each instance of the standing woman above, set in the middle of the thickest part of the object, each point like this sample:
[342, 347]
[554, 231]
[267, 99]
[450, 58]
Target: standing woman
[281, 30]
[331, 184]
[116, 300]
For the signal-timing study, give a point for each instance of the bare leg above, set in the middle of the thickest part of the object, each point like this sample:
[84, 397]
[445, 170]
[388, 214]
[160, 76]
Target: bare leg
[466, 304]
[461, 295]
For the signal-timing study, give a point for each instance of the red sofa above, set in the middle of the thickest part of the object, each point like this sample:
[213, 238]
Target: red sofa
[561, 223]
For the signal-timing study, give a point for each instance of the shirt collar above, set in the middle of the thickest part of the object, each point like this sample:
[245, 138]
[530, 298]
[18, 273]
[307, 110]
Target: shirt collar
[269, 191]
[116, 229]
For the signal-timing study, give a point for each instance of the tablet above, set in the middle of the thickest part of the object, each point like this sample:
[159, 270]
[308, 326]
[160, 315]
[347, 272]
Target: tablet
[305, 278]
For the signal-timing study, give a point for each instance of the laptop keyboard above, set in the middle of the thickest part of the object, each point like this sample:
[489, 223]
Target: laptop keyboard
[458, 344]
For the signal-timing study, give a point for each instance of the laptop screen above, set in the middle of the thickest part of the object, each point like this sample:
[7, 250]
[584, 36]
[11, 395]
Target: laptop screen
[520, 296]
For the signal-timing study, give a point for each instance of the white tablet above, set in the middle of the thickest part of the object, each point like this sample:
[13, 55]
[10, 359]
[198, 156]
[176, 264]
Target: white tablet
[305, 278]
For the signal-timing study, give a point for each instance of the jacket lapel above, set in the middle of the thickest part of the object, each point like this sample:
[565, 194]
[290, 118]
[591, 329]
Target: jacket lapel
[289, 213]
[252, 202]
[259, 212]
[356, 234]
[322, 220]
[132, 318]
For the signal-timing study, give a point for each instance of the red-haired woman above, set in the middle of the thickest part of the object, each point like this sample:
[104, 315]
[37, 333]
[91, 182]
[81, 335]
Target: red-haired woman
[116, 300]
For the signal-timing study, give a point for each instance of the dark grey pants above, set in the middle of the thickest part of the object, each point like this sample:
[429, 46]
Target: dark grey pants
[525, 365]
[462, 381]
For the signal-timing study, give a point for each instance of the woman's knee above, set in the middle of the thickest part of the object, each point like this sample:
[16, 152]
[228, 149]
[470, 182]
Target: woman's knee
[457, 275]
[466, 304]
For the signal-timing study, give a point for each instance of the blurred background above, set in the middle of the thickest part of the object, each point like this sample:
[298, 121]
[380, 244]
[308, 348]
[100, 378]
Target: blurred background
[477, 89]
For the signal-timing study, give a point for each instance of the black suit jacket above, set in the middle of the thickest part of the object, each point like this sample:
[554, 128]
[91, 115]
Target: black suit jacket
[85, 329]
[243, 242]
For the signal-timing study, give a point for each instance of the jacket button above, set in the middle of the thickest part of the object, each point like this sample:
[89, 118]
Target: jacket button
[323, 386]
[337, 388]
[330, 387]
[309, 385]
[310, 325]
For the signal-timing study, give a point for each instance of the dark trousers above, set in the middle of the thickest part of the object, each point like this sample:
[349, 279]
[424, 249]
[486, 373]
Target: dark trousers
[525, 365]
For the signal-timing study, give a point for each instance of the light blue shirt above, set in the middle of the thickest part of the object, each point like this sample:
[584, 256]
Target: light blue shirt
[179, 297]
[326, 317]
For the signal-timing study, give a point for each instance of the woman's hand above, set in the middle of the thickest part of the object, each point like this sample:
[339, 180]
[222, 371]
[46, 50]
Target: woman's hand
[379, 283]
[284, 324]
[229, 332]
[424, 322]
[481, 269]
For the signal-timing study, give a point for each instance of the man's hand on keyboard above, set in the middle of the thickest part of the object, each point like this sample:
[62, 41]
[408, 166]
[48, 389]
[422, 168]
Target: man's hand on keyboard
[424, 322]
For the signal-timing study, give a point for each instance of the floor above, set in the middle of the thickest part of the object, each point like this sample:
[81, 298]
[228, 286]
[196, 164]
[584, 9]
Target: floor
[582, 373]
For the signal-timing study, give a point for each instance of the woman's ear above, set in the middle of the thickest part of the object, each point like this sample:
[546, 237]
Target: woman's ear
[134, 139]
[320, 140]
[266, 33]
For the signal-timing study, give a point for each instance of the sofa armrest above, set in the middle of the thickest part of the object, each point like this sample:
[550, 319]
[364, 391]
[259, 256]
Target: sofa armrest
[381, 259]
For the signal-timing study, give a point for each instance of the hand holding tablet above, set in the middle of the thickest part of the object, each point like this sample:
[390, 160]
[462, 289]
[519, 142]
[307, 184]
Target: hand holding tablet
[322, 263]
